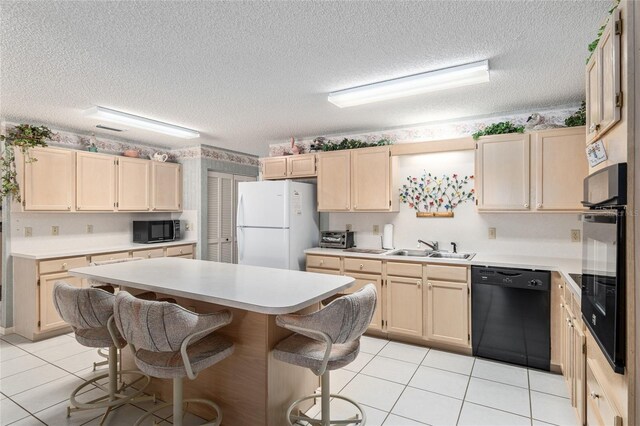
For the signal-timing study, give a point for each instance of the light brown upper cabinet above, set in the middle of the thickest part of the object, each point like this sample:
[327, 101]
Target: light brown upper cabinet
[502, 172]
[371, 180]
[48, 183]
[404, 313]
[274, 168]
[134, 184]
[334, 181]
[289, 167]
[95, 182]
[166, 186]
[560, 167]
[604, 95]
[356, 180]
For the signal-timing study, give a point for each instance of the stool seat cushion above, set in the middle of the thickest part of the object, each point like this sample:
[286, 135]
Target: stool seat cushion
[96, 337]
[202, 354]
[309, 353]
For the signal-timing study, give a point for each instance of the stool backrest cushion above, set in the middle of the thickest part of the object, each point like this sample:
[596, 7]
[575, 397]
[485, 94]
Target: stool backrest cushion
[96, 283]
[160, 326]
[82, 308]
[343, 320]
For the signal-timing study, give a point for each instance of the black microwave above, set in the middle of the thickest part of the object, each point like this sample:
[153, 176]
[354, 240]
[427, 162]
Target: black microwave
[155, 231]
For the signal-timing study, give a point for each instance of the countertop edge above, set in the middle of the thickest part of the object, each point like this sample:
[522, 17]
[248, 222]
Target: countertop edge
[111, 249]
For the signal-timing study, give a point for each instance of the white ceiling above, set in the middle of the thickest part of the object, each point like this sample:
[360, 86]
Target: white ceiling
[246, 73]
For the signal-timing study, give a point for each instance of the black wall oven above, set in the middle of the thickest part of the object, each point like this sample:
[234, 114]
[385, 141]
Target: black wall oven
[603, 261]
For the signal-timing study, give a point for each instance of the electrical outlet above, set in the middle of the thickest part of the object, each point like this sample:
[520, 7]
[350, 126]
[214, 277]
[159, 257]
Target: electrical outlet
[376, 229]
[89, 229]
[575, 236]
[187, 227]
[55, 230]
[28, 231]
[492, 233]
[349, 227]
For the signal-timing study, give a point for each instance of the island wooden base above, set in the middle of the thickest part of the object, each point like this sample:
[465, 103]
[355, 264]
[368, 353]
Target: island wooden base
[251, 387]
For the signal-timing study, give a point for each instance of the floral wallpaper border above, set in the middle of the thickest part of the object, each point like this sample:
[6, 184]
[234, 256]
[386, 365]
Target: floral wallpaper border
[434, 131]
[72, 140]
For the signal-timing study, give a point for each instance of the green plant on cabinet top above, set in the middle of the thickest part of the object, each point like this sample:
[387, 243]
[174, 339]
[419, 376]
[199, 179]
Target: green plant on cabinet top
[498, 129]
[24, 137]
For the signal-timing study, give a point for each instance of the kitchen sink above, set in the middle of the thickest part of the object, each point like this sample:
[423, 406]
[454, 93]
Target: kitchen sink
[446, 255]
[432, 254]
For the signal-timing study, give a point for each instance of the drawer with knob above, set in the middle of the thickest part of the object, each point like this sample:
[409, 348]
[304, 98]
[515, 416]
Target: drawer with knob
[447, 273]
[600, 411]
[323, 262]
[148, 254]
[372, 266]
[109, 256]
[402, 269]
[61, 265]
[180, 250]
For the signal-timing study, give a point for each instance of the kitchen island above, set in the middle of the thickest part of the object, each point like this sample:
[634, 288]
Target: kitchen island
[251, 387]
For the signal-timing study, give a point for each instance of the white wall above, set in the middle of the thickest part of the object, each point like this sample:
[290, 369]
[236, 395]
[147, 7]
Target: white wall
[109, 229]
[540, 234]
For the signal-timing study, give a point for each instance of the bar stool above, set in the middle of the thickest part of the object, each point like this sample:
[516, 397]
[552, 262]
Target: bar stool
[147, 295]
[327, 340]
[89, 311]
[171, 342]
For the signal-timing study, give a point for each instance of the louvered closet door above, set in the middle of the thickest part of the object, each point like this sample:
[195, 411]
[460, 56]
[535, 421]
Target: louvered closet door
[236, 180]
[220, 217]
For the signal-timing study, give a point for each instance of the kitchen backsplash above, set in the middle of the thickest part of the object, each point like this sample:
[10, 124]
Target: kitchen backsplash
[537, 234]
[109, 229]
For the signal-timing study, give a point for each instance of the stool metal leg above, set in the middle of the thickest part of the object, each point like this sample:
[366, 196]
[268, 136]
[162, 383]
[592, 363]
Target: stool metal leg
[325, 399]
[177, 401]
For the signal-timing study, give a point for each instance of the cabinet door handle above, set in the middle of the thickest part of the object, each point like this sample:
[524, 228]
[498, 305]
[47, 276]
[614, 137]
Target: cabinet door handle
[559, 285]
[429, 285]
[539, 205]
[594, 127]
[322, 262]
[594, 395]
[68, 207]
[526, 205]
[149, 255]
[419, 283]
[361, 266]
[64, 265]
[180, 251]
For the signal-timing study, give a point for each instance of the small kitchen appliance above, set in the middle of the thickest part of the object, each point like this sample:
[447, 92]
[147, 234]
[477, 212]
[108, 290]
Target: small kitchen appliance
[337, 239]
[603, 261]
[155, 231]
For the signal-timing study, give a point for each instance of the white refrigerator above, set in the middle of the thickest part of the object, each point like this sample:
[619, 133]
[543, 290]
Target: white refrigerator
[276, 221]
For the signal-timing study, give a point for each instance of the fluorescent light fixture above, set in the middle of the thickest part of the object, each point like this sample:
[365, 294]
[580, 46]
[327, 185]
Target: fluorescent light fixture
[140, 122]
[446, 78]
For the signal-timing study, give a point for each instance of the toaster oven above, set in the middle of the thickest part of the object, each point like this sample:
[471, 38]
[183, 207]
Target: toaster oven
[336, 239]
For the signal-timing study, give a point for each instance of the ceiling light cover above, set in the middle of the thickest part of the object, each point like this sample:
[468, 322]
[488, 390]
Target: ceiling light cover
[141, 122]
[446, 78]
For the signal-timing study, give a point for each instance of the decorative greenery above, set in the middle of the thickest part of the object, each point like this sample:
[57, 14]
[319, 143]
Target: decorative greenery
[592, 46]
[428, 192]
[498, 129]
[325, 145]
[23, 137]
[578, 118]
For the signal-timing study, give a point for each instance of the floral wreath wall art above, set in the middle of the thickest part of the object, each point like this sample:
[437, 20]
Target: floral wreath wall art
[428, 193]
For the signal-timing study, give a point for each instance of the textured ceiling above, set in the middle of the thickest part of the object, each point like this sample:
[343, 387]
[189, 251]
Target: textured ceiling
[246, 73]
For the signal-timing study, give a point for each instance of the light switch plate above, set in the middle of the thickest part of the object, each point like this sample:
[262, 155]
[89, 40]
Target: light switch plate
[376, 229]
[28, 231]
[89, 229]
[575, 236]
[492, 233]
[55, 230]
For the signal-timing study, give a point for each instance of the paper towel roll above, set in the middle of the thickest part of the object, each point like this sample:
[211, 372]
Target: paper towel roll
[387, 237]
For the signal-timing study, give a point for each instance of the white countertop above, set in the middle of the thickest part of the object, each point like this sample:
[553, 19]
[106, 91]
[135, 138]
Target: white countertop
[564, 266]
[51, 253]
[252, 288]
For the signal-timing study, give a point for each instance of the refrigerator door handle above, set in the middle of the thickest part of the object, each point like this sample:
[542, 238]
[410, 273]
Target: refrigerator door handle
[238, 223]
[240, 244]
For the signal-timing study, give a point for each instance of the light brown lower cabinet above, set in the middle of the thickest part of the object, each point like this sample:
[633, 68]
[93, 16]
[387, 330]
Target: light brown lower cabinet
[404, 309]
[361, 281]
[49, 318]
[447, 312]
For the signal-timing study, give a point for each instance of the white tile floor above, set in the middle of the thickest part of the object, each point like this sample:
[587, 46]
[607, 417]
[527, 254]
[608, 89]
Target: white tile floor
[398, 385]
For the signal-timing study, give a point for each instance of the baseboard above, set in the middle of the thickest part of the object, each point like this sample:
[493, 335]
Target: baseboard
[5, 331]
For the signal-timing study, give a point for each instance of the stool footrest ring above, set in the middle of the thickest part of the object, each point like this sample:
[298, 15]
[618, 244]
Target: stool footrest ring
[324, 422]
[211, 404]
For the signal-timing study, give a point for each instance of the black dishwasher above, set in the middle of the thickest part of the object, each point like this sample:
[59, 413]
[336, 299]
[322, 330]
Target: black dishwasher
[511, 315]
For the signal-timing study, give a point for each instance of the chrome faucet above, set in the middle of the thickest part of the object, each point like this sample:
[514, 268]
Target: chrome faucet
[433, 245]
